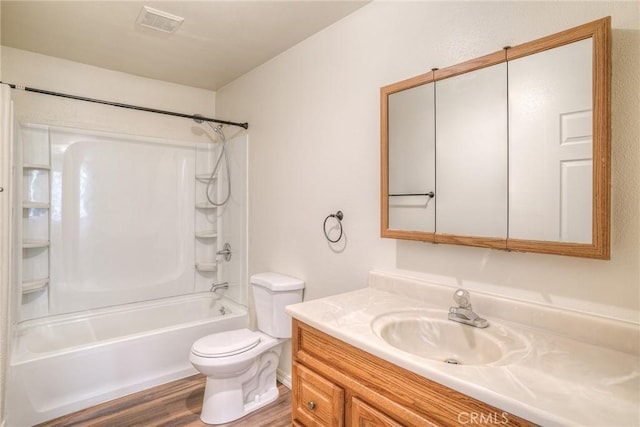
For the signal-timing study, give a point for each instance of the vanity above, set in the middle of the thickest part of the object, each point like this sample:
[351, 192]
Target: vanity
[336, 384]
[380, 356]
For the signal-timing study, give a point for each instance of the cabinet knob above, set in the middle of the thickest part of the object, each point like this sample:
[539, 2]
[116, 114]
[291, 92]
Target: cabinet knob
[311, 405]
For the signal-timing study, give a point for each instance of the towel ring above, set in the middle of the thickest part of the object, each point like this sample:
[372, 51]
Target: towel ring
[338, 216]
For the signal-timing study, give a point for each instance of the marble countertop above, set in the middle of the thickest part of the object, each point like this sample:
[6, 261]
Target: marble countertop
[559, 380]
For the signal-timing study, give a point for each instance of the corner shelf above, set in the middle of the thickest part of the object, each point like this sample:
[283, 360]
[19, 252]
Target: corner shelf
[36, 173]
[36, 166]
[206, 234]
[204, 177]
[207, 266]
[35, 285]
[35, 205]
[205, 205]
[31, 244]
[206, 220]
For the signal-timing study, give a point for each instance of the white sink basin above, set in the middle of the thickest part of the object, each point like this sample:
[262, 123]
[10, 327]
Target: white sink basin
[429, 334]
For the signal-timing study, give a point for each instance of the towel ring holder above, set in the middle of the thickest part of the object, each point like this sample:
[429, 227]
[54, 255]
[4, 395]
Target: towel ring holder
[338, 216]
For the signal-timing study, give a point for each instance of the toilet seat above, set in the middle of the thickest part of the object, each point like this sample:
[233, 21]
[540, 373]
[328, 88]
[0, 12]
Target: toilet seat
[226, 343]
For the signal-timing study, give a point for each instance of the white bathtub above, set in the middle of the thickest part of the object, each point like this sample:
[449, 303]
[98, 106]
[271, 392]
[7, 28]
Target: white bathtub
[66, 363]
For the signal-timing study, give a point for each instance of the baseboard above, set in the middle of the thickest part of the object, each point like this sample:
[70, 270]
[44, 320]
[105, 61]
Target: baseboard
[283, 377]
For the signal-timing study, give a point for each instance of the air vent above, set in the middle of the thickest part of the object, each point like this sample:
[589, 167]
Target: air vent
[159, 20]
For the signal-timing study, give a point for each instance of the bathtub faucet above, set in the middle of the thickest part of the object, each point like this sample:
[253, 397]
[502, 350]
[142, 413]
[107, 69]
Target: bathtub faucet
[215, 286]
[463, 313]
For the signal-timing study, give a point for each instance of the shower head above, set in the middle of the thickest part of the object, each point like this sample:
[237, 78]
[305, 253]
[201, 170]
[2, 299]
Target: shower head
[218, 130]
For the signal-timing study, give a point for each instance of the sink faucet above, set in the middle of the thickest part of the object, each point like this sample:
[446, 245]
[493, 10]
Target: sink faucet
[463, 313]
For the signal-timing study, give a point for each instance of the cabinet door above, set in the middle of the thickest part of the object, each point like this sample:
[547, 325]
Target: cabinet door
[317, 401]
[363, 415]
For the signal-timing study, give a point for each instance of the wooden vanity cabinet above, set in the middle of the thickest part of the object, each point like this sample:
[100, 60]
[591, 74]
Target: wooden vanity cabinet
[336, 384]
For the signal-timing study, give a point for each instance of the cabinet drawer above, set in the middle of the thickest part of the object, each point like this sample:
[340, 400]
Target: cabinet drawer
[317, 401]
[363, 415]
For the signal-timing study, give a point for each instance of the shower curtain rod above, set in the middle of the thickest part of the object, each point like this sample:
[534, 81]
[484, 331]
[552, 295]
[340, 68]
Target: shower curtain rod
[195, 117]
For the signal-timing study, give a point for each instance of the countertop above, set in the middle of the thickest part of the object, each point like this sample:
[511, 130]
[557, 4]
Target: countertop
[559, 380]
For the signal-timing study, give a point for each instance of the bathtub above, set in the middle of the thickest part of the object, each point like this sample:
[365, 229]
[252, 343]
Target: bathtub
[65, 363]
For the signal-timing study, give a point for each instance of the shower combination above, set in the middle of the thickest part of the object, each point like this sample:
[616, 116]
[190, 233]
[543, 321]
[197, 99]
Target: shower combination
[164, 243]
[153, 294]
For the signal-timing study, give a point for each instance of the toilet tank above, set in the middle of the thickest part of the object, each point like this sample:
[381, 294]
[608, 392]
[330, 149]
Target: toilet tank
[272, 292]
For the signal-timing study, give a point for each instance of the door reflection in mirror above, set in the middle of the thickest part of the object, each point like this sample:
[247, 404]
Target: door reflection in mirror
[550, 144]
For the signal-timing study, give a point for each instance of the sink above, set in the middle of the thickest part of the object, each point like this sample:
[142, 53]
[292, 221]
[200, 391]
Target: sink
[429, 334]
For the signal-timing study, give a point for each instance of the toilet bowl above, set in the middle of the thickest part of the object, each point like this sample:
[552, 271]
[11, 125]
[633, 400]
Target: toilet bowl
[241, 364]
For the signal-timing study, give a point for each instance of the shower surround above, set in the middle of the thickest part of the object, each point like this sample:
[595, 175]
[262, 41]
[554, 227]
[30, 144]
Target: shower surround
[113, 257]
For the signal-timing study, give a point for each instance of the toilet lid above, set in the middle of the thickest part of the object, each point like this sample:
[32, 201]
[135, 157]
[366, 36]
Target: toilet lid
[226, 343]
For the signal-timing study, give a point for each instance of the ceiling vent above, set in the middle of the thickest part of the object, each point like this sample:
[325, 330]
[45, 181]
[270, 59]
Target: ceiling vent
[159, 20]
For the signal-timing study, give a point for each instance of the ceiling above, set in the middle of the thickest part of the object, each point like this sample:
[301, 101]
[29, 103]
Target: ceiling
[218, 41]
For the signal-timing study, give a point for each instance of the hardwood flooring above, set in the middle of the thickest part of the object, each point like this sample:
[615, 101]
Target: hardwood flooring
[174, 404]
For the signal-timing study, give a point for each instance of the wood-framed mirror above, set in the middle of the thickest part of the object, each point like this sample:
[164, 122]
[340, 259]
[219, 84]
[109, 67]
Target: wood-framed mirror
[507, 151]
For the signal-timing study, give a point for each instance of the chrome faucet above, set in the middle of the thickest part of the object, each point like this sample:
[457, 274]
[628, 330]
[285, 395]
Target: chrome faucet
[463, 313]
[215, 286]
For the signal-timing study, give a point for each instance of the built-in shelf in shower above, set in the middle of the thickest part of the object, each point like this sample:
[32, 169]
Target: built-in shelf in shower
[204, 177]
[35, 205]
[207, 266]
[206, 218]
[36, 166]
[31, 244]
[204, 205]
[34, 181]
[206, 234]
[35, 285]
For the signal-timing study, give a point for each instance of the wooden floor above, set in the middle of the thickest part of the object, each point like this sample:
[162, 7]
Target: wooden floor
[174, 404]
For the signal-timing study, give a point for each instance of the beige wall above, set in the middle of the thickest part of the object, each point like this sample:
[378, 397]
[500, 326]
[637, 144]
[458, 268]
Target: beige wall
[44, 72]
[314, 148]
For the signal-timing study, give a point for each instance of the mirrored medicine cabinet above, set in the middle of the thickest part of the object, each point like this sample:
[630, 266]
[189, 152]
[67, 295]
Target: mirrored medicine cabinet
[507, 151]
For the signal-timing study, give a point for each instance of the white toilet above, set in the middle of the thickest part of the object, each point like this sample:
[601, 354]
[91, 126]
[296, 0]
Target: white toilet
[241, 365]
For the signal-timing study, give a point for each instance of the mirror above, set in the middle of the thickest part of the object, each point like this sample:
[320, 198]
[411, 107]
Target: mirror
[407, 178]
[471, 135]
[550, 145]
[508, 151]
[412, 158]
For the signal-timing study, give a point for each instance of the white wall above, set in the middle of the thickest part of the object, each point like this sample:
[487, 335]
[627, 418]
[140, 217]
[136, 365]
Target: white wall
[313, 114]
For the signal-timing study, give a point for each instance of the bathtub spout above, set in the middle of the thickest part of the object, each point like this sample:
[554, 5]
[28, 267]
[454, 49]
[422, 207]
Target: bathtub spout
[215, 286]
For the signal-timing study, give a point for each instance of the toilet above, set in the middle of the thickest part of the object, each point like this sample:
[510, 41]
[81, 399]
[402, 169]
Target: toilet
[241, 364]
